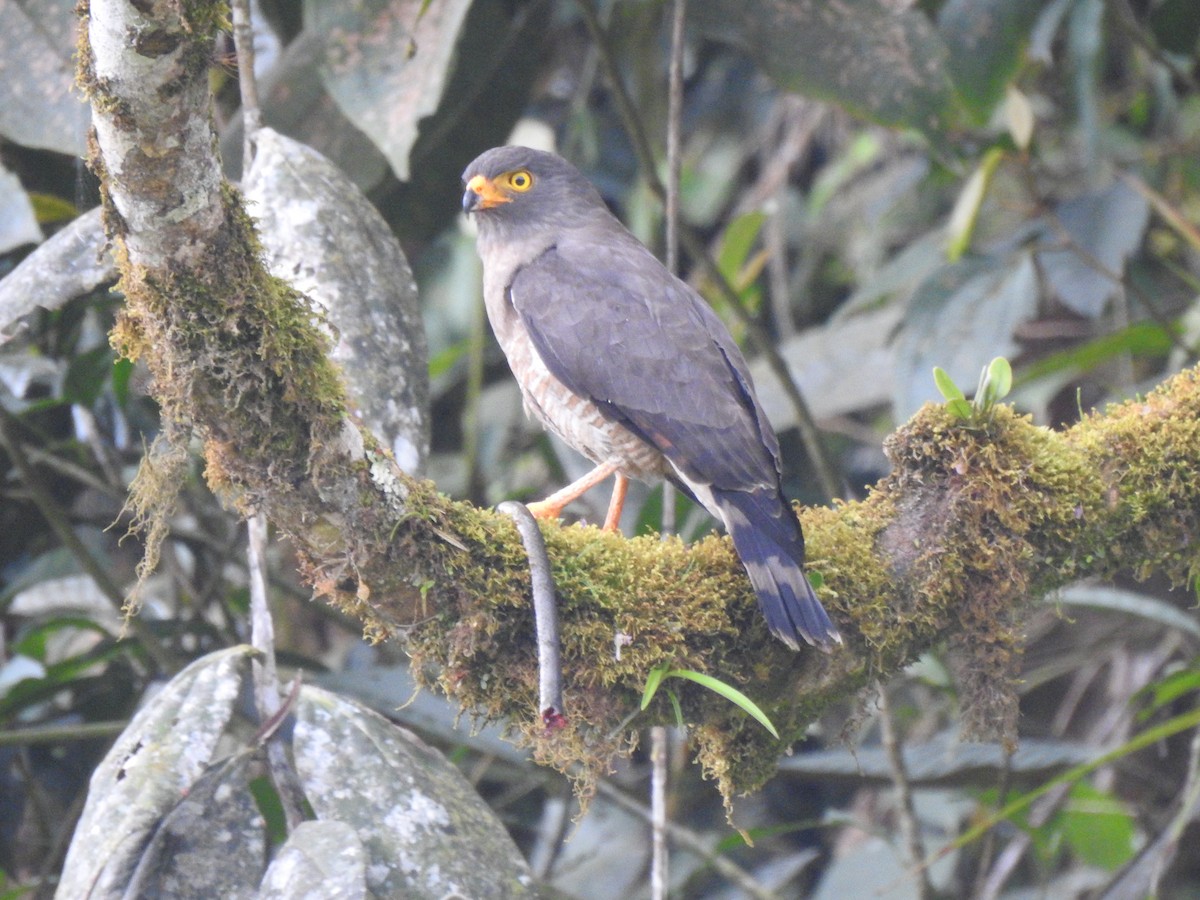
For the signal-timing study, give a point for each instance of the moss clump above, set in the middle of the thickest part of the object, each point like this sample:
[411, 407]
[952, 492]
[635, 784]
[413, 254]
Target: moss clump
[236, 351]
[1144, 454]
[242, 357]
[986, 519]
[480, 646]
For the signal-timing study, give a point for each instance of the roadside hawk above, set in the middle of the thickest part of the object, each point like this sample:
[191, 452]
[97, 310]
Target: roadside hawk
[631, 367]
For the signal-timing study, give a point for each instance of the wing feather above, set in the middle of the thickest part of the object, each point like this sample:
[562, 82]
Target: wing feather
[616, 327]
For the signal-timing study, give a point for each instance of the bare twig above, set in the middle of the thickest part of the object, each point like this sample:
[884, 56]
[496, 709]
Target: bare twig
[987, 849]
[910, 828]
[659, 735]
[86, 425]
[545, 613]
[783, 145]
[476, 352]
[1188, 812]
[266, 683]
[60, 734]
[243, 42]
[674, 118]
[694, 843]
[551, 831]
[262, 629]
[659, 858]
[1006, 862]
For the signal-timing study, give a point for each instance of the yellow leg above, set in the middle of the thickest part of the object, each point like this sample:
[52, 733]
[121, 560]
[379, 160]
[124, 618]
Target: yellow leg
[612, 522]
[552, 506]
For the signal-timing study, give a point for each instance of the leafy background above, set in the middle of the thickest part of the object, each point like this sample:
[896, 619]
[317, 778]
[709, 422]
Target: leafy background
[888, 187]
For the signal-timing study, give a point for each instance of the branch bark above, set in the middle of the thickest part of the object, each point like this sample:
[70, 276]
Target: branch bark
[970, 525]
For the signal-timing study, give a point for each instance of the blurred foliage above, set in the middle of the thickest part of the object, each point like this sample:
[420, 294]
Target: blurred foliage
[887, 187]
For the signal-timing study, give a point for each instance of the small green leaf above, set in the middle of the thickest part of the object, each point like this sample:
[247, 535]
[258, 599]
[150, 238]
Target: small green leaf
[674, 698]
[1098, 828]
[737, 243]
[1142, 340]
[1000, 376]
[981, 390]
[32, 643]
[446, 358]
[87, 374]
[266, 798]
[730, 693]
[995, 381]
[1169, 689]
[50, 209]
[961, 228]
[653, 680]
[121, 372]
[946, 386]
[662, 672]
[960, 409]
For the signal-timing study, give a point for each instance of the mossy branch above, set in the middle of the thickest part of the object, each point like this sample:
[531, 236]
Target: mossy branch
[970, 525]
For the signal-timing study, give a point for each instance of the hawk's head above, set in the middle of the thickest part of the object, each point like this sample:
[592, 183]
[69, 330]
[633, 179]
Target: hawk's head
[520, 185]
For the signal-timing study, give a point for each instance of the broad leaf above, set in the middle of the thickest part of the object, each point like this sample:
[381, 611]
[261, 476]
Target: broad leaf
[39, 105]
[414, 813]
[325, 238]
[986, 40]
[885, 65]
[18, 223]
[154, 762]
[387, 63]
[1104, 227]
[1098, 828]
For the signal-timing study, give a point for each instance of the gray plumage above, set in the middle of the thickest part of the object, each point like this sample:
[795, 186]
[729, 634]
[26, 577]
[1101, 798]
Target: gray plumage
[625, 361]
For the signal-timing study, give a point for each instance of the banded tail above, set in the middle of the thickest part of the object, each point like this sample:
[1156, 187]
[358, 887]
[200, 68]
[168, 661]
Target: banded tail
[767, 537]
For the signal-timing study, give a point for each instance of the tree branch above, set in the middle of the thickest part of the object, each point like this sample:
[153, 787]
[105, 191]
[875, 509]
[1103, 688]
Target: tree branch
[970, 524]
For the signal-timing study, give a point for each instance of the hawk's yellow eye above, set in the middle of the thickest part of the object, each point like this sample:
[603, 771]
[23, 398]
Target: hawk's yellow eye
[520, 180]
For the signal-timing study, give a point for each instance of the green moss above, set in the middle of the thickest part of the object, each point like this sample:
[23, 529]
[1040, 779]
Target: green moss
[205, 17]
[643, 589]
[960, 524]
[242, 355]
[1152, 498]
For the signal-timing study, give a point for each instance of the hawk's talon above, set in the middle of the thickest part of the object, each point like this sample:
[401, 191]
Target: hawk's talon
[544, 509]
[552, 506]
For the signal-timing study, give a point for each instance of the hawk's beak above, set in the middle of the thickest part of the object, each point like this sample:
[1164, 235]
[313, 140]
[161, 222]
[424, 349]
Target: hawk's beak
[482, 193]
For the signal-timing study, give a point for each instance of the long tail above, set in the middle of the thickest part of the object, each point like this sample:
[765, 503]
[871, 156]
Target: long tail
[767, 537]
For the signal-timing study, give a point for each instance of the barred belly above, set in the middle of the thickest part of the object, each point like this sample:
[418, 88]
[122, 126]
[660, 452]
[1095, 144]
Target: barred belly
[577, 420]
[580, 423]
